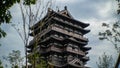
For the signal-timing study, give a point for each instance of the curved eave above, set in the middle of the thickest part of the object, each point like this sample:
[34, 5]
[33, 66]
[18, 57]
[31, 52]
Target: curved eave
[50, 51]
[29, 51]
[86, 48]
[74, 53]
[29, 46]
[50, 39]
[85, 31]
[83, 25]
[33, 34]
[52, 13]
[75, 41]
[85, 59]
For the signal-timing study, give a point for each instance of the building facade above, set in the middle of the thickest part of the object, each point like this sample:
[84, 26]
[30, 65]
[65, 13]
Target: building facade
[59, 40]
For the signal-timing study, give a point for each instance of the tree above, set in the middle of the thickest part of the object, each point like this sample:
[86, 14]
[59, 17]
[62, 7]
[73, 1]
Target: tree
[1, 64]
[14, 59]
[5, 14]
[105, 61]
[111, 34]
[30, 15]
[118, 10]
[112, 31]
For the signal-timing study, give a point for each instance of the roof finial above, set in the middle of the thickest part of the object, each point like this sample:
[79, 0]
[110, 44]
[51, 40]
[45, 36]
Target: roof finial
[49, 9]
[65, 7]
[57, 8]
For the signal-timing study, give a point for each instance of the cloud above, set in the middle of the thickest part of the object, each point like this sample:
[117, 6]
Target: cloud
[94, 12]
[11, 42]
[98, 48]
[107, 10]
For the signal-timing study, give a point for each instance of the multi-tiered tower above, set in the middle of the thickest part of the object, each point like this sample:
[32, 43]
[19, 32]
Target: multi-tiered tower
[60, 40]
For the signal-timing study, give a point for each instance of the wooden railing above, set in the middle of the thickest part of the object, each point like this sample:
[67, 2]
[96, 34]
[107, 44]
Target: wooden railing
[68, 23]
[53, 48]
[68, 33]
[76, 52]
[53, 27]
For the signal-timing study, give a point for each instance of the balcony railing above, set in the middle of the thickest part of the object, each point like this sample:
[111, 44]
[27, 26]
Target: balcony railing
[68, 23]
[75, 51]
[68, 33]
[61, 30]
[52, 48]
[56, 49]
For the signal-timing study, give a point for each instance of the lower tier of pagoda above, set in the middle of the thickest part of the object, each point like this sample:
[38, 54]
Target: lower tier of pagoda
[65, 61]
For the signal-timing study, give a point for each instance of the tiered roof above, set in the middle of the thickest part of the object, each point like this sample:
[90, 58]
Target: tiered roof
[60, 29]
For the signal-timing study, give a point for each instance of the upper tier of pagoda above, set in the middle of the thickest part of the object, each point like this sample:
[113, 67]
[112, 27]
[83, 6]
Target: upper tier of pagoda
[62, 15]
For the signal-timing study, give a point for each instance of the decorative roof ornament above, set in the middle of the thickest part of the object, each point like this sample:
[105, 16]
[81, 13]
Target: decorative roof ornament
[65, 7]
[49, 9]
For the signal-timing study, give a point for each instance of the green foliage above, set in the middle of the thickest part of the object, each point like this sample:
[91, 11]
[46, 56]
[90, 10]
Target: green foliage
[43, 64]
[1, 64]
[29, 2]
[112, 34]
[5, 5]
[2, 33]
[118, 11]
[14, 59]
[36, 61]
[105, 61]
[5, 15]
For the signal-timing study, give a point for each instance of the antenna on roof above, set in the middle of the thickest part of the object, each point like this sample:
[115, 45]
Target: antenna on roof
[57, 8]
[49, 9]
[65, 7]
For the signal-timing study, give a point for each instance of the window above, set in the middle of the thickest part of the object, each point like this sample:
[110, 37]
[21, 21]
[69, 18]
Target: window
[56, 35]
[67, 28]
[59, 44]
[70, 57]
[70, 44]
[61, 37]
[60, 26]
[79, 33]
[70, 30]
[70, 48]
[55, 55]
[75, 31]
[76, 49]
[66, 22]
[55, 44]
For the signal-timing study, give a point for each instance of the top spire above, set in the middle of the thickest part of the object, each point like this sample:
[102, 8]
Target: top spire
[65, 7]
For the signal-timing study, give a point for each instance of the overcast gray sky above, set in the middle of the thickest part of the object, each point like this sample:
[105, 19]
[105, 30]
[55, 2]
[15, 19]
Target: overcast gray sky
[93, 12]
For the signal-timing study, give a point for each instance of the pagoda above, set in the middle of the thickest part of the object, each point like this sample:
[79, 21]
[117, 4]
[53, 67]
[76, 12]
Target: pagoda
[60, 41]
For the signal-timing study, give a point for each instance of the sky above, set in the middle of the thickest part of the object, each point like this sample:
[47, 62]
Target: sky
[94, 12]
